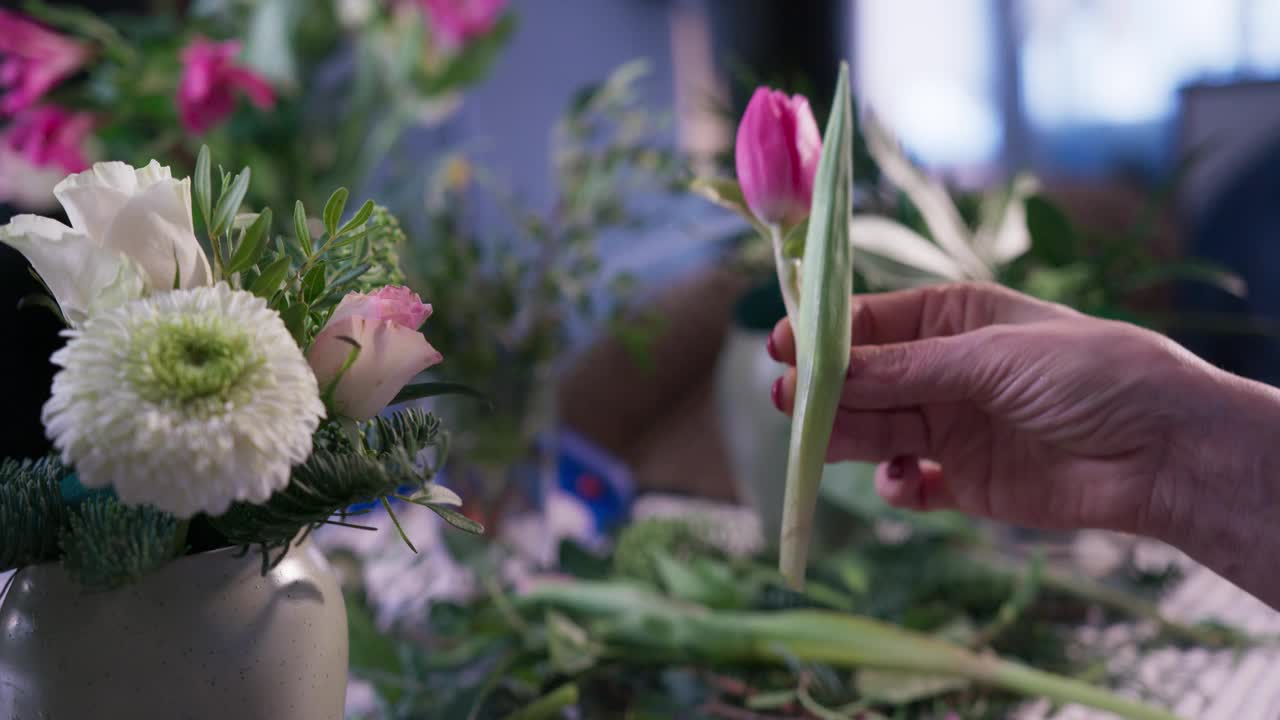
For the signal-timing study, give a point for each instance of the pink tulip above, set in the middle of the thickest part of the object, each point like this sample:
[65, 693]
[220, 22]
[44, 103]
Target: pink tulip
[210, 81]
[456, 22]
[33, 59]
[49, 136]
[777, 154]
[392, 350]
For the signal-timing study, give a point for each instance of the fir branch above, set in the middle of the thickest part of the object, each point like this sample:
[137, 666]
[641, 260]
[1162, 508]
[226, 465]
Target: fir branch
[108, 545]
[337, 476]
[32, 514]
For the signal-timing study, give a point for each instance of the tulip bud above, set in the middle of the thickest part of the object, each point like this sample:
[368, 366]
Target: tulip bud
[777, 154]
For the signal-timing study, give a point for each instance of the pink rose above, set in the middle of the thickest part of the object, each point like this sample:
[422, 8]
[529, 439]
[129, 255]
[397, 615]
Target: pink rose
[392, 350]
[777, 153]
[210, 81]
[457, 21]
[33, 59]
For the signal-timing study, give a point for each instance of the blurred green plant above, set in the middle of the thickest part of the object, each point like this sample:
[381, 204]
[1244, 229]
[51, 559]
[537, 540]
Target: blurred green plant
[514, 292]
[678, 628]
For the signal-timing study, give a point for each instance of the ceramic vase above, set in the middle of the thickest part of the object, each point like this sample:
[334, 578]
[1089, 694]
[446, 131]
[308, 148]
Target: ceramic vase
[207, 637]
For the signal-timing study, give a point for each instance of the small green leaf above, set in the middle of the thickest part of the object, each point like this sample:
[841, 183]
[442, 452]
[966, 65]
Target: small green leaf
[269, 281]
[360, 218]
[229, 203]
[1053, 240]
[456, 519]
[295, 319]
[252, 245]
[300, 229]
[417, 391]
[350, 275]
[202, 185]
[333, 210]
[727, 194]
[313, 283]
[793, 245]
[436, 494]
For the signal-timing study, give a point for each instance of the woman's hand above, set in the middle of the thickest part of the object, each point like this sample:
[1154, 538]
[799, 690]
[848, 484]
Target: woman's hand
[995, 404]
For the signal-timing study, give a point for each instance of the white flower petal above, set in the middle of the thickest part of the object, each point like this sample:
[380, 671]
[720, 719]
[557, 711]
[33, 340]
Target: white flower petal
[120, 416]
[901, 245]
[928, 195]
[154, 227]
[1003, 237]
[83, 276]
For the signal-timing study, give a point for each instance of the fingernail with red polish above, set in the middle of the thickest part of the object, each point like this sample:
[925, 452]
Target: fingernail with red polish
[773, 348]
[897, 468]
[775, 393]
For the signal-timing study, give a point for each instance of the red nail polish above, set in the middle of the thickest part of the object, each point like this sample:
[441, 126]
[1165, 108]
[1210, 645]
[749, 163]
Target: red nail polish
[897, 468]
[775, 393]
[772, 348]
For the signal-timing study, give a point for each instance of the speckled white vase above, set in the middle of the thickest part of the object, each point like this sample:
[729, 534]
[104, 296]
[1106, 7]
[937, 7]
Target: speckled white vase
[207, 637]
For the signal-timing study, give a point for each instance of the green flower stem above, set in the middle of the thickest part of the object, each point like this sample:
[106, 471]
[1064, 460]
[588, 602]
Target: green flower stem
[788, 275]
[822, 334]
[549, 706]
[635, 623]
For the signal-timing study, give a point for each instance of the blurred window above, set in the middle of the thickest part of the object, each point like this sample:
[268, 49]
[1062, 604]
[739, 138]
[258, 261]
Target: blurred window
[1097, 80]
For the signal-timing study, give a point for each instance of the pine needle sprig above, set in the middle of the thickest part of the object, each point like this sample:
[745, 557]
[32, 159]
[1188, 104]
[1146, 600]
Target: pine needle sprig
[107, 545]
[32, 513]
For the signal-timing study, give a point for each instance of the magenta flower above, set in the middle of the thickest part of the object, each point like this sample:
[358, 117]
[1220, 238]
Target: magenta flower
[210, 82]
[49, 136]
[777, 153]
[455, 22]
[33, 59]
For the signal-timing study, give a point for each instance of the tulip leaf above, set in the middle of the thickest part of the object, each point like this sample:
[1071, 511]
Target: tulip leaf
[360, 218]
[229, 203]
[202, 185]
[269, 281]
[300, 229]
[252, 244]
[417, 391]
[333, 210]
[823, 335]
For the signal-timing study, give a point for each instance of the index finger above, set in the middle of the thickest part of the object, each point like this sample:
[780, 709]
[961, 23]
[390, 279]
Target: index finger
[928, 312]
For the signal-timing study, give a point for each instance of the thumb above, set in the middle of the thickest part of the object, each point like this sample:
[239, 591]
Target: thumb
[936, 370]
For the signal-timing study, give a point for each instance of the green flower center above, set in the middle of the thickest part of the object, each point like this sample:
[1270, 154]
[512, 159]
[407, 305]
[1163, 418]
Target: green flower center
[192, 361]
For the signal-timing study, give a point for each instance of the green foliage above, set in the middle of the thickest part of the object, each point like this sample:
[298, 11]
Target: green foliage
[641, 542]
[385, 239]
[107, 545]
[512, 294]
[337, 476]
[32, 513]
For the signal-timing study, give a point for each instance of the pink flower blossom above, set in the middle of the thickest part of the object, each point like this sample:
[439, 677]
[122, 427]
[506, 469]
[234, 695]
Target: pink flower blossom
[37, 150]
[50, 136]
[33, 60]
[455, 22]
[210, 81]
[385, 325]
[777, 153]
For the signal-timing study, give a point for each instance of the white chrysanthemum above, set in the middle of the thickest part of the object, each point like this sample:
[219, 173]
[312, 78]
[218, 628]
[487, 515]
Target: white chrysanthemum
[187, 401]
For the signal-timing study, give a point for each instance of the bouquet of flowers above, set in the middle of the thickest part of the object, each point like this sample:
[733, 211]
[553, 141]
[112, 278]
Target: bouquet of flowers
[312, 95]
[205, 399]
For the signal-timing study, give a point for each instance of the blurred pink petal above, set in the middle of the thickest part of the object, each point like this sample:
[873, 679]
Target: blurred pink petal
[33, 59]
[211, 80]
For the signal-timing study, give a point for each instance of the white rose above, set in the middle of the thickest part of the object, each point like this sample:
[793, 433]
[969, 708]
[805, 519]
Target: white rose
[131, 233]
